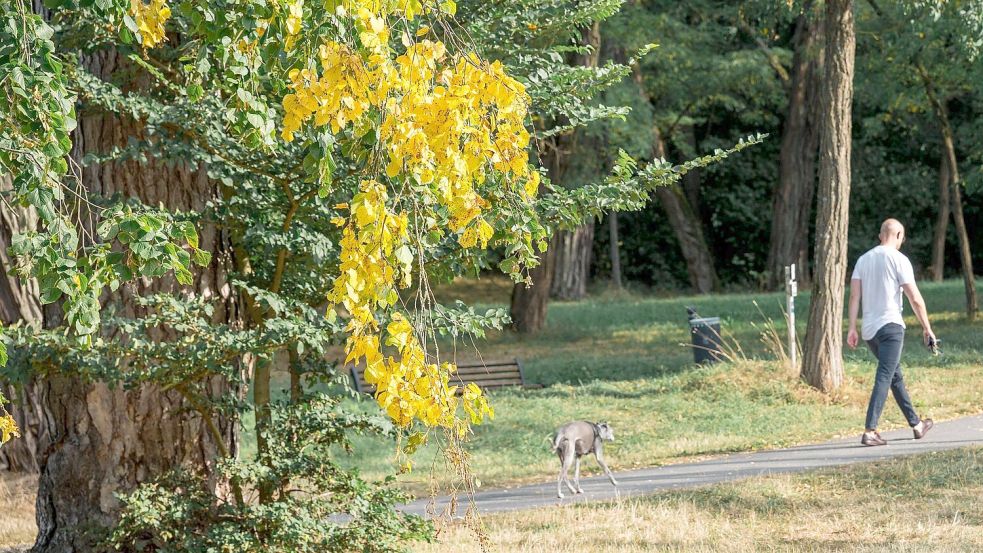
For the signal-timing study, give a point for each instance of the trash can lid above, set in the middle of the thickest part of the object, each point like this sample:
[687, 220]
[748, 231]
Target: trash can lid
[705, 321]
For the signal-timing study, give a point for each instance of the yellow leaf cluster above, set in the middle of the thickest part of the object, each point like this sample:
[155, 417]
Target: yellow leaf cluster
[150, 18]
[339, 96]
[444, 124]
[370, 271]
[375, 262]
[445, 121]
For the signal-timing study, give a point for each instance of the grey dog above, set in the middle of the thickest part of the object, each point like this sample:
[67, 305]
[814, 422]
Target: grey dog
[574, 440]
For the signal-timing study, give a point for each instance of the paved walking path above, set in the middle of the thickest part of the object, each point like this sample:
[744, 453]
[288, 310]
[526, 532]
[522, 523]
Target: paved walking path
[946, 435]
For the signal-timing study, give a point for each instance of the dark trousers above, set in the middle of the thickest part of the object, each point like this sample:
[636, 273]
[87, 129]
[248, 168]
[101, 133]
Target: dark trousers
[886, 345]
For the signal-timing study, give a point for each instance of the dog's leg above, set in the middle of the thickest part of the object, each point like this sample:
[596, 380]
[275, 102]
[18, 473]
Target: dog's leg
[600, 460]
[566, 454]
[576, 475]
[569, 455]
[559, 477]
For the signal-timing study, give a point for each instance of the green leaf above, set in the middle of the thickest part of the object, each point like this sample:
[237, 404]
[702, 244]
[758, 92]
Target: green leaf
[195, 92]
[183, 275]
[50, 295]
[200, 257]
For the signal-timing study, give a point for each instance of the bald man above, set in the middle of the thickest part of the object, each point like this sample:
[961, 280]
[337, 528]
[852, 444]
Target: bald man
[879, 278]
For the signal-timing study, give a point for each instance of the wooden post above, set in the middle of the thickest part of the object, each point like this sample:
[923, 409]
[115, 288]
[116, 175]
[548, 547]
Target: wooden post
[791, 289]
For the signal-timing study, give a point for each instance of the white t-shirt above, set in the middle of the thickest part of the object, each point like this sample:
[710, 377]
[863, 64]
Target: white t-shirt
[882, 272]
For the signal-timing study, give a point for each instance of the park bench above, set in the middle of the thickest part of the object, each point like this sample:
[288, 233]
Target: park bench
[486, 374]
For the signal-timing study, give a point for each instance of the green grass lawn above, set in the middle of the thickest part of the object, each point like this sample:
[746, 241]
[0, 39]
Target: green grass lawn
[922, 503]
[622, 358]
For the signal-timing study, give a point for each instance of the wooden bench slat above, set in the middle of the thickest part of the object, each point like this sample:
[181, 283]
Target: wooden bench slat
[478, 381]
[486, 374]
[474, 377]
[469, 372]
[488, 364]
[475, 372]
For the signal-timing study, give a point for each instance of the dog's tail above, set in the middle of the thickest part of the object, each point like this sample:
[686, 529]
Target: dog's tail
[557, 442]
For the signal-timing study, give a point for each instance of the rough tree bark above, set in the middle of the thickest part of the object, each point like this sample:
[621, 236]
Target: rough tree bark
[792, 204]
[102, 440]
[937, 269]
[529, 302]
[572, 252]
[822, 365]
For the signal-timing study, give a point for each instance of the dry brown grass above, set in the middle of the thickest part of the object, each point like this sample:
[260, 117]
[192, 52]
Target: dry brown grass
[924, 503]
[17, 527]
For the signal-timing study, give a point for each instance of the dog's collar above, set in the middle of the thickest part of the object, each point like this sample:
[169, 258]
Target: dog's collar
[597, 429]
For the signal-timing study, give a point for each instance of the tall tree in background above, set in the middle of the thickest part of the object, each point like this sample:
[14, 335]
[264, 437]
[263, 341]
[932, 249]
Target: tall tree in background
[936, 62]
[937, 269]
[562, 110]
[688, 227]
[970, 58]
[572, 248]
[822, 365]
[702, 72]
[952, 172]
[797, 165]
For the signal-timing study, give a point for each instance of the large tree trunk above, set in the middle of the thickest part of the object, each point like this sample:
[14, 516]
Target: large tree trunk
[573, 249]
[822, 365]
[937, 269]
[529, 300]
[615, 249]
[104, 440]
[688, 229]
[797, 160]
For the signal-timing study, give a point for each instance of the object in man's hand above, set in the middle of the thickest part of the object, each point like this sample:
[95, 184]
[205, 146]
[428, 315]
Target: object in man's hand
[934, 345]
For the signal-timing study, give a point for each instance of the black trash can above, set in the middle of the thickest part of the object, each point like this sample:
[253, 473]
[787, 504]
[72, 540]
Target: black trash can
[706, 339]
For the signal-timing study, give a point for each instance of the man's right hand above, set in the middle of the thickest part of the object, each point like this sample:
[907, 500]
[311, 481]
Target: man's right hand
[852, 338]
[928, 337]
